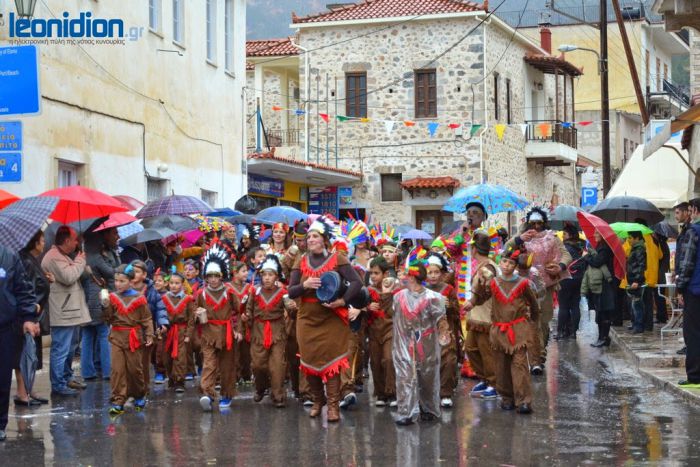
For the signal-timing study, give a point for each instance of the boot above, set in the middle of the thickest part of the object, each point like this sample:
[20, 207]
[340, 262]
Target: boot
[316, 390]
[333, 390]
[466, 370]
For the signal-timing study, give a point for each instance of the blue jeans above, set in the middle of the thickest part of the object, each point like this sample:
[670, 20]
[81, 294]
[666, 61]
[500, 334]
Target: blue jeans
[637, 312]
[60, 357]
[94, 340]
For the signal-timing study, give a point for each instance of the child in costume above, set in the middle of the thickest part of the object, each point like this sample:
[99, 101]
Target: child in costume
[192, 274]
[514, 309]
[180, 307]
[242, 289]
[265, 311]
[381, 329]
[126, 310]
[436, 268]
[160, 282]
[217, 310]
[419, 316]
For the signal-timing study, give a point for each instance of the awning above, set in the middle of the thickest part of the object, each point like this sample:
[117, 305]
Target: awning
[661, 179]
[299, 171]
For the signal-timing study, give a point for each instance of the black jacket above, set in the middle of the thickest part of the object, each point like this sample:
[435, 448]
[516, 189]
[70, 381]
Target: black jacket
[17, 300]
[637, 264]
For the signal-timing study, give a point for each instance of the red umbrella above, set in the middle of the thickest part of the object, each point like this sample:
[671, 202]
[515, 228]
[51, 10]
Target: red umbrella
[116, 219]
[7, 198]
[130, 202]
[589, 224]
[79, 203]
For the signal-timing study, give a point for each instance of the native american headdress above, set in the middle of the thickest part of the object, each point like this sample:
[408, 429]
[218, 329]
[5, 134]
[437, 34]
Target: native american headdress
[416, 257]
[519, 255]
[323, 226]
[536, 214]
[271, 263]
[436, 259]
[252, 231]
[300, 229]
[217, 260]
[281, 226]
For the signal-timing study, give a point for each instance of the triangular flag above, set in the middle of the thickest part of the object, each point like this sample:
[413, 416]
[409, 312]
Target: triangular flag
[389, 125]
[566, 124]
[365, 120]
[342, 118]
[409, 123]
[453, 126]
[324, 117]
[277, 108]
[523, 128]
[300, 112]
[432, 128]
[475, 128]
[545, 130]
[500, 130]
[585, 122]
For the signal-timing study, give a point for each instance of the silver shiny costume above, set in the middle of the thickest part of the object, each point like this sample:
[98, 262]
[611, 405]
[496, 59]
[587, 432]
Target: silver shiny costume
[416, 351]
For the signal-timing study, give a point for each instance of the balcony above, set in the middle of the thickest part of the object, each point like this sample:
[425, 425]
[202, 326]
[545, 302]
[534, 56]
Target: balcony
[670, 101]
[551, 142]
[279, 138]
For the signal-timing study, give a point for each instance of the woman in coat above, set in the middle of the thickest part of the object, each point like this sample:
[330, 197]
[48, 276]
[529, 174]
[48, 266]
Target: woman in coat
[603, 302]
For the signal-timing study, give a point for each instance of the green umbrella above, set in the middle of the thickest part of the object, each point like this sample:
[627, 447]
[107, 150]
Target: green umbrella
[622, 229]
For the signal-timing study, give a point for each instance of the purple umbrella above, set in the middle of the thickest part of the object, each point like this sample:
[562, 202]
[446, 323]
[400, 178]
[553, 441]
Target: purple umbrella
[415, 234]
[174, 204]
[22, 219]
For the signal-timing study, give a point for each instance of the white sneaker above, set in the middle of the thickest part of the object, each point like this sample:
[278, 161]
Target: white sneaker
[205, 403]
[380, 403]
[446, 402]
[349, 400]
[393, 404]
[308, 403]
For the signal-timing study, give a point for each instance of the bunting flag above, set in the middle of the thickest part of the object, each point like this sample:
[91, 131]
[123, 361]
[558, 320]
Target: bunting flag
[544, 129]
[474, 129]
[585, 122]
[454, 126]
[325, 117]
[365, 120]
[276, 108]
[389, 126]
[300, 112]
[500, 129]
[409, 123]
[432, 128]
[342, 118]
[566, 124]
[523, 128]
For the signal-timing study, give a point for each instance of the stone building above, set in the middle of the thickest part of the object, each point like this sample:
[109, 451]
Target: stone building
[391, 69]
[160, 112]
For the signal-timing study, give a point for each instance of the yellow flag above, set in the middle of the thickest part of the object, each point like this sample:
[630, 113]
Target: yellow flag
[500, 130]
[365, 120]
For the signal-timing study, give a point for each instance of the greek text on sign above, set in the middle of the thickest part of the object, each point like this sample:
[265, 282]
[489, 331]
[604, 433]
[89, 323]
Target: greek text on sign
[19, 81]
[10, 167]
[10, 136]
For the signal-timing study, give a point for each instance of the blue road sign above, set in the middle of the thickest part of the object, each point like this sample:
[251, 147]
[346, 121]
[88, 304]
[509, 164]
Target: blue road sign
[589, 196]
[10, 166]
[10, 136]
[19, 80]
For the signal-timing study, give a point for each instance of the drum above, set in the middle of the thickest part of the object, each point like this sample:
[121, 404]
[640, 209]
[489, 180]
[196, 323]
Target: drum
[333, 287]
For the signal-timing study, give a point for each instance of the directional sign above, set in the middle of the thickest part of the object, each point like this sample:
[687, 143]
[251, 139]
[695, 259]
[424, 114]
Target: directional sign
[10, 136]
[19, 80]
[10, 167]
[589, 196]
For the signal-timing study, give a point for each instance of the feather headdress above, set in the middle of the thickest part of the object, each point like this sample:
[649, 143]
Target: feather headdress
[415, 259]
[217, 260]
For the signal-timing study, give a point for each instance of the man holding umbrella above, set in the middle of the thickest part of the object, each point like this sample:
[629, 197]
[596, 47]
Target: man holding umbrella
[17, 304]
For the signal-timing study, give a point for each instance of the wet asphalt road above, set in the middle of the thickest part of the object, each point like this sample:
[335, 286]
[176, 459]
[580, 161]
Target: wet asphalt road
[591, 408]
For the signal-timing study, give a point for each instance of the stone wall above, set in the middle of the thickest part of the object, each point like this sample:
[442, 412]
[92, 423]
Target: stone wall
[694, 61]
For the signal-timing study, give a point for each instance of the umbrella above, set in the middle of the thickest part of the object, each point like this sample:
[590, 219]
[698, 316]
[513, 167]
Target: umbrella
[28, 362]
[247, 219]
[665, 230]
[622, 229]
[495, 198]
[24, 218]
[7, 198]
[130, 202]
[450, 227]
[78, 203]
[208, 224]
[403, 229]
[224, 212]
[591, 223]
[286, 214]
[148, 235]
[116, 219]
[562, 215]
[174, 204]
[129, 229]
[172, 222]
[416, 234]
[627, 209]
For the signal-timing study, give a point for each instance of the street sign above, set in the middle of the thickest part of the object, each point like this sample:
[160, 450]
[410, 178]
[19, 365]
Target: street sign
[10, 167]
[19, 80]
[589, 196]
[10, 136]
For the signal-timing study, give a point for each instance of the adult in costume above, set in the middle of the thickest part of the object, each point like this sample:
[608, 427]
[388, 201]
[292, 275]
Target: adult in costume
[323, 332]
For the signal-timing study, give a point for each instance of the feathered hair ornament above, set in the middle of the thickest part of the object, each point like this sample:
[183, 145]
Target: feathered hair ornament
[436, 259]
[416, 258]
[281, 226]
[217, 260]
[358, 233]
[271, 263]
[322, 226]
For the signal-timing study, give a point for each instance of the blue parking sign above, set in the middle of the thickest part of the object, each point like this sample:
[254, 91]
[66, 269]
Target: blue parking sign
[589, 196]
[10, 167]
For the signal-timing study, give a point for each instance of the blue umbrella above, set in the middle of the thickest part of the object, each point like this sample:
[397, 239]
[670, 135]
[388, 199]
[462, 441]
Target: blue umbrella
[416, 234]
[286, 214]
[223, 212]
[22, 219]
[130, 229]
[495, 199]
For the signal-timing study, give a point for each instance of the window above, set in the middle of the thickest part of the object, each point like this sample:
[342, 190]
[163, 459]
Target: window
[67, 174]
[154, 7]
[211, 30]
[156, 188]
[228, 34]
[391, 187]
[665, 72]
[209, 197]
[179, 21]
[508, 114]
[496, 100]
[426, 94]
[356, 95]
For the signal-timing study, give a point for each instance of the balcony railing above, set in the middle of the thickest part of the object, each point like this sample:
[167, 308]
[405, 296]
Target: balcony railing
[551, 131]
[277, 138]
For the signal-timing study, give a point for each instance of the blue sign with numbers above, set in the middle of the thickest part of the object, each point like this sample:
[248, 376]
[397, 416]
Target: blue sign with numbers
[589, 196]
[11, 167]
[10, 136]
[19, 80]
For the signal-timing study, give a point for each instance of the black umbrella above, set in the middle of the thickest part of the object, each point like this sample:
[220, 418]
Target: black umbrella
[247, 219]
[627, 209]
[562, 215]
[665, 229]
[170, 221]
[28, 362]
[148, 235]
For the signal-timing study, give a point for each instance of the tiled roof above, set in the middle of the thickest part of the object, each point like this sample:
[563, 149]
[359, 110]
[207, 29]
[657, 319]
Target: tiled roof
[249, 66]
[270, 48]
[430, 182]
[550, 63]
[371, 9]
[271, 156]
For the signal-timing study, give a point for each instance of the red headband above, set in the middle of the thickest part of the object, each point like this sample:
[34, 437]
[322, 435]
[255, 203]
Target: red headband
[281, 226]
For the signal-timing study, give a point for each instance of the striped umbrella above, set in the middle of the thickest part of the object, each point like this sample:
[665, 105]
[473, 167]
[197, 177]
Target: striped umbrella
[22, 219]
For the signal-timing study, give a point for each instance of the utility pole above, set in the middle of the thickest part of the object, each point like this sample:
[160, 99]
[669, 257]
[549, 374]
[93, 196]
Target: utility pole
[604, 96]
